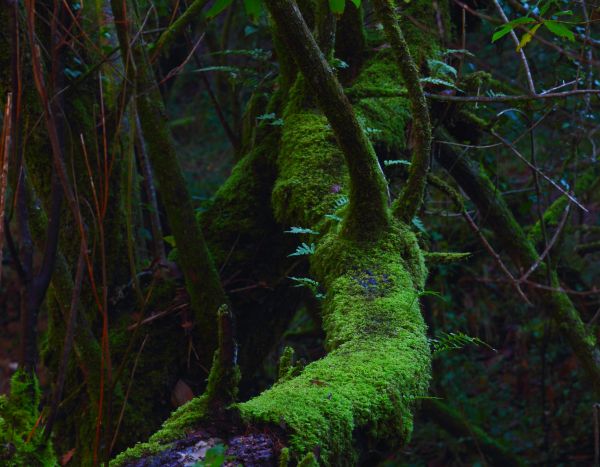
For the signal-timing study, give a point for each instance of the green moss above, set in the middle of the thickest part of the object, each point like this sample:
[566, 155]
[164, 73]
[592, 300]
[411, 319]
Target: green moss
[444, 257]
[284, 457]
[311, 170]
[226, 222]
[286, 364]
[21, 441]
[309, 461]
[551, 218]
[221, 390]
[379, 78]
[435, 16]
[379, 358]
[176, 427]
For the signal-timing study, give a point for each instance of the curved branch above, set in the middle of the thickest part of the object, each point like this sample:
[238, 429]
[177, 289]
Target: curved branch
[411, 197]
[194, 11]
[368, 210]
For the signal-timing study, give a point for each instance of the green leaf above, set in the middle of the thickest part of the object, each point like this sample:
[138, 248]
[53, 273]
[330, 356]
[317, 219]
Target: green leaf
[439, 68]
[304, 281]
[253, 8]
[339, 64]
[218, 7]
[356, 3]
[215, 457]
[170, 240]
[528, 36]
[545, 7]
[508, 27]
[226, 69]
[337, 6]
[564, 13]
[559, 29]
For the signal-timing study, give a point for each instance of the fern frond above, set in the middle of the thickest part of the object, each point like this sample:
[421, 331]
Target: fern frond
[304, 249]
[455, 341]
[301, 230]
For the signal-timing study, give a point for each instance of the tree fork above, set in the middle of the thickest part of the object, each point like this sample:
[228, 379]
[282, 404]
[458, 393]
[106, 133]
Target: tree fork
[411, 197]
[368, 211]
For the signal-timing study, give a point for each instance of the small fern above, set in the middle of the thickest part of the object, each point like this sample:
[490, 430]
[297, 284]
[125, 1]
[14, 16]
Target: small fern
[304, 282]
[439, 82]
[339, 64]
[427, 293]
[333, 217]
[387, 163]
[271, 118]
[455, 341]
[457, 51]
[304, 249]
[341, 201]
[418, 223]
[312, 284]
[301, 230]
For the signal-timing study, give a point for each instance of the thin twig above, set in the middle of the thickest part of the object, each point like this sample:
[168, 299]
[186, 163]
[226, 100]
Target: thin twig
[596, 412]
[122, 412]
[549, 246]
[5, 146]
[68, 344]
[496, 257]
[175, 71]
[231, 136]
[517, 98]
[594, 318]
[514, 150]
[457, 200]
[520, 50]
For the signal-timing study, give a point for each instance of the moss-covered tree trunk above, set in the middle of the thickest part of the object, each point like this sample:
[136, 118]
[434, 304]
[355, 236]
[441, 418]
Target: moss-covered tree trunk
[355, 404]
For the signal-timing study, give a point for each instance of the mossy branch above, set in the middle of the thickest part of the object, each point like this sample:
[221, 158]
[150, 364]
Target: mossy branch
[202, 280]
[368, 210]
[411, 198]
[224, 374]
[510, 234]
[193, 12]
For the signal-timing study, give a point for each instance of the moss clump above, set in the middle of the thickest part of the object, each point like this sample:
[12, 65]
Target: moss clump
[284, 457]
[378, 79]
[176, 427]
[21, 440]
[286, 364]
[311, 170]
[379, 357]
